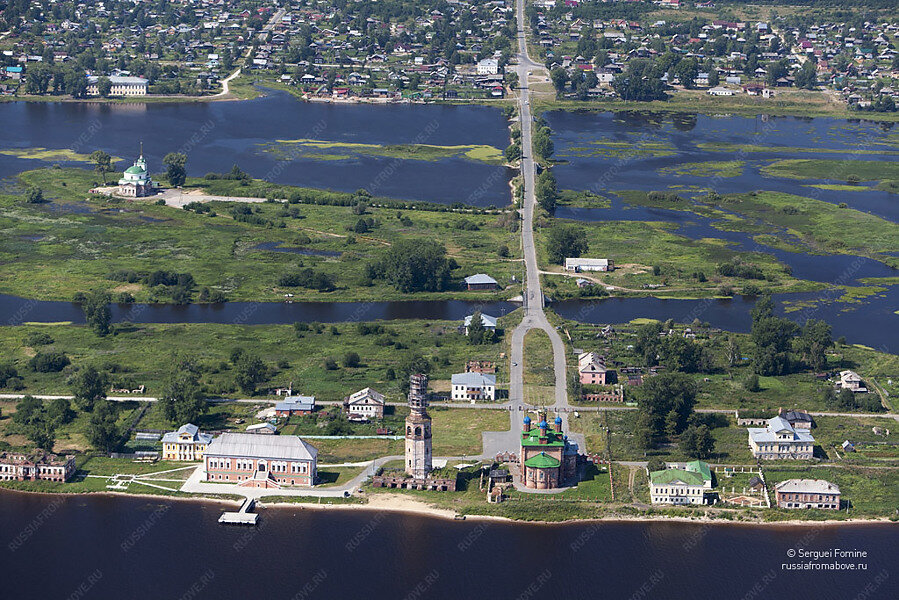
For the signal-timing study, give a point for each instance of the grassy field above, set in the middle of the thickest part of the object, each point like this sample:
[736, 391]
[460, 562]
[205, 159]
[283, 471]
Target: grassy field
[638, 246]
[142, 354]
[49, 251]
[814, 225]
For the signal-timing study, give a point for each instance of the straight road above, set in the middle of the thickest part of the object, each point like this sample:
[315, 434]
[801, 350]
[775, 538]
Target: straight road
[534, 317]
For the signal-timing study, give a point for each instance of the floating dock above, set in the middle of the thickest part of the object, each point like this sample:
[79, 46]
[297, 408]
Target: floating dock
[242, 516]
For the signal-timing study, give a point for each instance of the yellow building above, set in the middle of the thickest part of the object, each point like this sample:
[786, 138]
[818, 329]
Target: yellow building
[186, 444]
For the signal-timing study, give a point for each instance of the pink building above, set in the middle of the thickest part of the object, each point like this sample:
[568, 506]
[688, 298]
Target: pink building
[265, 461]
[592, 370]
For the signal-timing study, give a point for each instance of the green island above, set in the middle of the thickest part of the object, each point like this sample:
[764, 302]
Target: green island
[76, 241]
[325, 150]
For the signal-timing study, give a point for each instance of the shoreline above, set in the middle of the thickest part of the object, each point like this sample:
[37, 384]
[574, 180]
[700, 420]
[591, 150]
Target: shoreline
[405, 505]
[541, 105]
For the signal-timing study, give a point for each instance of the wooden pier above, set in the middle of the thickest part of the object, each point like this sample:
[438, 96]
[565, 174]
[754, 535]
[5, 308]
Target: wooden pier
[242, 516]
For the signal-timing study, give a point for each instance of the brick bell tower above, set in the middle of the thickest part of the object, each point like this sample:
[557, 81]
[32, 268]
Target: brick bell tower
[418, 429]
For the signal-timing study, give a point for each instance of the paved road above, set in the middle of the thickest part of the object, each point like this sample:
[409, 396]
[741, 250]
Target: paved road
[534, 317]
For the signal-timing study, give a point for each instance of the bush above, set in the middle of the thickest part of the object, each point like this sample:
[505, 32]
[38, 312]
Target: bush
[751, 384]
[48, 362]
[35, 195]
[330, 364]
[351, 359]
[38, 338]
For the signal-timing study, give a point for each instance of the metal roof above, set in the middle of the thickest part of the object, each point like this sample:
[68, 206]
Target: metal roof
[249, 445]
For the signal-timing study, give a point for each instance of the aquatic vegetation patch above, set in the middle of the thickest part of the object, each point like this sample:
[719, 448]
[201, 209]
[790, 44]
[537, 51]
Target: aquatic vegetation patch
[312, 149]
[616, 149]
[721, 168]
[839, 187]
[756, 148]
[850, 171]
[51, 154]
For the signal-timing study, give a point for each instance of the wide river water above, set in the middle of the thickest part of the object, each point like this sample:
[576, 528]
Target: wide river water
[102, 547]
[216, 135]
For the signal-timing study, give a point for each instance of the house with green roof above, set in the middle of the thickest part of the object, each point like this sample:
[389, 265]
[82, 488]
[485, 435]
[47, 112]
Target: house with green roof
[688, 484]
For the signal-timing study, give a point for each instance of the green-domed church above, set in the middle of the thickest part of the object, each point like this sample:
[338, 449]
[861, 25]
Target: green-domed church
[136, 182]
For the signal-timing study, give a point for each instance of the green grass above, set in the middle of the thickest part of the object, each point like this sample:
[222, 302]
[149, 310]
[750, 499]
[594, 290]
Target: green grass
[538, 359]
[142, 354]
[870, 492]
[51, 251]
[866, 170]
[725, 168]
[429, 152]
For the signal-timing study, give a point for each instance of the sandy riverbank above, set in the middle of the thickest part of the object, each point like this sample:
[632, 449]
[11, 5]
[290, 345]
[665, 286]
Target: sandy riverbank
[400, 503]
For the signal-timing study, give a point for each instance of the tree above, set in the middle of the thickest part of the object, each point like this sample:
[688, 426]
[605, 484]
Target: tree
[97, 313]
[543, 144]
[35, 423]
[559, 78]
[103, 431]
[697, 442]
[734, 355]
[813, 342]
[183, 399]
[477, 332]
[687, 70]
[60, 412]
[35, 195]
[175, 172]
[415, 266]
[104, 86]
[640, 82]
[351, 360]
[807, 76]
[102, 162]
[772, 337]
[565, 241]
[656, 464]
[89, 386]
[663, 394]
[545, 190]
[249, 371]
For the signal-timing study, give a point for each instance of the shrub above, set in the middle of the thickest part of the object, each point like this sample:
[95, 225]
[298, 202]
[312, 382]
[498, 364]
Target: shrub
[351, 359]
[48, 362]
[330, 364]
[38, 338]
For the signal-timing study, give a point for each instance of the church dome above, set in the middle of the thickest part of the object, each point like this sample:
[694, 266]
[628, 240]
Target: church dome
[135, 170]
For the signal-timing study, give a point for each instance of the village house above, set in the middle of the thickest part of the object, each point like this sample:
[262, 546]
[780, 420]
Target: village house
[480, 281]
[488, 66]
[262, 429]
[850, 380]
[687, 485]
[798, 418]
[265, 461]
[807, 493]
[592, 370]
[486, 320]
[364, 404]
[295, 405]
[720, 91]
[548, 458]
[43, 466]
[579, 265]
[186, 444]
[473, 387]
[780, 440]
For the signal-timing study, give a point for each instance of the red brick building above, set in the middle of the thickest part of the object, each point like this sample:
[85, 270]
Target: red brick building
[36, 466]
[807, 493]
[261, 460]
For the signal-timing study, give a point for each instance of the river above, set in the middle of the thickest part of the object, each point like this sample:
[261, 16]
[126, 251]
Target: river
[102, 547]
[216, 135]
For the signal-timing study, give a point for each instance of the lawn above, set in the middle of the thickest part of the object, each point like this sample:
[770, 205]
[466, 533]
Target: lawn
[50, 251]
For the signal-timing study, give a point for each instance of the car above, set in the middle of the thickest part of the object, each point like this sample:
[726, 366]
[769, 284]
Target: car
[514, 364]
